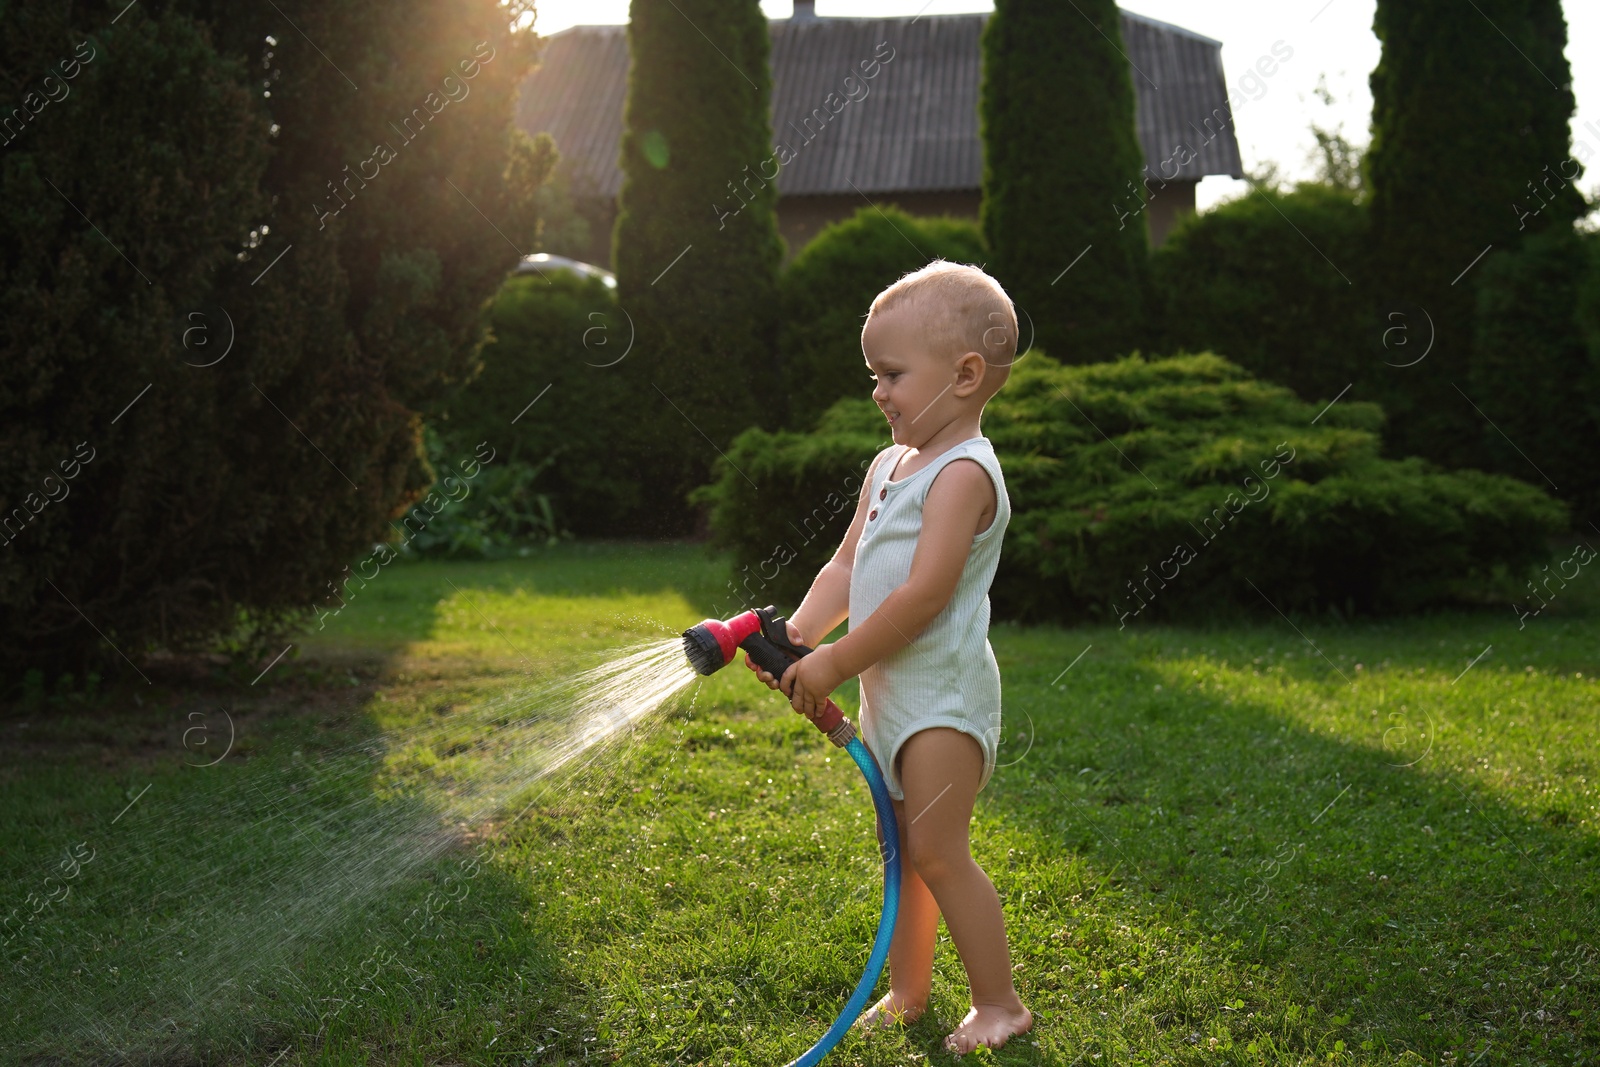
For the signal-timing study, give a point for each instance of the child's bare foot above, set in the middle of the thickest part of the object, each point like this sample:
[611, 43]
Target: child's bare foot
[989, 1025]
[893, 1008]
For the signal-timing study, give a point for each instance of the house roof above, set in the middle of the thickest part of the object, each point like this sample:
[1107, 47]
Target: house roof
[919, 133]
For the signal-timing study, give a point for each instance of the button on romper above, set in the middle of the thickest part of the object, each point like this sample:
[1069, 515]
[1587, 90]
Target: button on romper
[947, 676]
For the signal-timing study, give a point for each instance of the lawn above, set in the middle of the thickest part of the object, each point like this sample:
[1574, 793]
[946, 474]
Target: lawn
[1276, 842]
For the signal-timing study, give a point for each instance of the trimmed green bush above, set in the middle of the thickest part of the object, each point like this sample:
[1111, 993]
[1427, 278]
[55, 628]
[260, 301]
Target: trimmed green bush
[785, 515]
[1169, 488]
[1062, 174]
[828, 287]
[1471, 112]
[1236, 279]
[559, 342]
[696, 245]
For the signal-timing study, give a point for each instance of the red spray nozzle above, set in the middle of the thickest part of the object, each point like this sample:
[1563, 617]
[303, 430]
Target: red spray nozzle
[712, 644]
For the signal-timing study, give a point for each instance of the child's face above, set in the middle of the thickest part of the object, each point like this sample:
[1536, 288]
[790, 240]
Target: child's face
[912, 385]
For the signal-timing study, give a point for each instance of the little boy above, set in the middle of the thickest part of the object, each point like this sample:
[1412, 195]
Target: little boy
[913, 575]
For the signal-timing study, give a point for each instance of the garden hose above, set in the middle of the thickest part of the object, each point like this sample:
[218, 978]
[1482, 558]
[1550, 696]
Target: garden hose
[710, 646]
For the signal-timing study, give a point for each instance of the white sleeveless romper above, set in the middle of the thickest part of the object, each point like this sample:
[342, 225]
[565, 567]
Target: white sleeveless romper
[947, 676]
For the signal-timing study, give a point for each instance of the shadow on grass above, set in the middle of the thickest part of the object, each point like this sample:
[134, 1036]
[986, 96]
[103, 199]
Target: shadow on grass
[1312, 889]
[206, 869]
[289, 903]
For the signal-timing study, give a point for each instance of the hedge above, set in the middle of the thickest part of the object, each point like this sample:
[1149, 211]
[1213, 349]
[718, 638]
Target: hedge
[1532, 376]
[1168, 488]
[1276, 297]
[559, 343]
[827, 289]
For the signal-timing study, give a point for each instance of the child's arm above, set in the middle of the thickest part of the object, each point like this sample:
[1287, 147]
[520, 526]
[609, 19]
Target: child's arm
[827, 603]
[960, 496]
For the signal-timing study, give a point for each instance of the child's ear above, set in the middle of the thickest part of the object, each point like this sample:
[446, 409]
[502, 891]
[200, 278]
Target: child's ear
[970, 370]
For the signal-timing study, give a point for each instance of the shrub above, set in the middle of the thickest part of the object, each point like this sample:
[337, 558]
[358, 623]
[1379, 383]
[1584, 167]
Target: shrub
[503, 511]
[559, 340]
[567, 222]
[1237, 279]
[213, 483]
[502, 505]
[830, 284]
[1162, 488]
[813, 478]
[1062, 174]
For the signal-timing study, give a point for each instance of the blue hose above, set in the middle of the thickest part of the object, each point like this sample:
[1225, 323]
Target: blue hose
[890, 848]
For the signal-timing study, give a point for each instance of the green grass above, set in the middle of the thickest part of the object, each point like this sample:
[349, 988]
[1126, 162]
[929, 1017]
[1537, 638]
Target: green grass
[1213, 845]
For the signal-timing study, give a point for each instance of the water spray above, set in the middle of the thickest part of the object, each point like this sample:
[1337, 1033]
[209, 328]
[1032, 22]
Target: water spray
[764, 635]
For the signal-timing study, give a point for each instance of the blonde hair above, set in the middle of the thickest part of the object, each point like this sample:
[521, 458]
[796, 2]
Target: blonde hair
[961, 309]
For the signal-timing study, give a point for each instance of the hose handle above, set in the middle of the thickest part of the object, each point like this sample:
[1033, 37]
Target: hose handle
[770, 647]
[773, 651]
[775, 628]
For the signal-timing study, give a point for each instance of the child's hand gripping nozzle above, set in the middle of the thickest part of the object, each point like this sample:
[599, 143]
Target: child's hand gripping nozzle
[763, 634]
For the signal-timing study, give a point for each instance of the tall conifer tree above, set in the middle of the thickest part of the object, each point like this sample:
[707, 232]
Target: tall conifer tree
[1062, 175]
[696, 245]
[1471, 109]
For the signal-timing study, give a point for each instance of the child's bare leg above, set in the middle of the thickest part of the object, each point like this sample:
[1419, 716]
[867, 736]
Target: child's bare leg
[940, 770]
[911, 951]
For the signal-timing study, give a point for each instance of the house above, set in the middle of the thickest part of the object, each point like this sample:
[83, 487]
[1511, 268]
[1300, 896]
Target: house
[912, 142]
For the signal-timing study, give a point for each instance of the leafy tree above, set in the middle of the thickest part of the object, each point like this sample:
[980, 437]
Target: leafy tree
[1336, 158]
[1062, 174]
[1470, 116]
[237, 267]
[696, 246]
